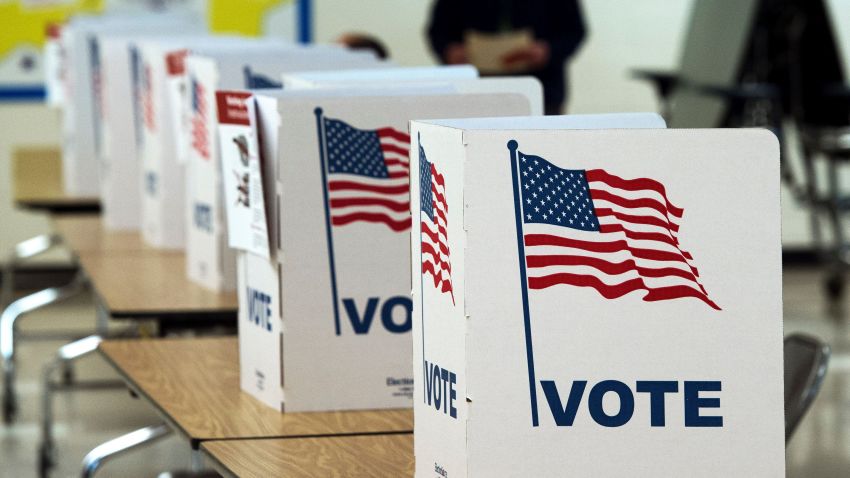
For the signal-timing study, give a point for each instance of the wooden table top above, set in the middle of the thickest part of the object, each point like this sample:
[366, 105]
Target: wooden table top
[85, 233]
[194, 384]
[153, 285]
[367, 455]
[37, 182]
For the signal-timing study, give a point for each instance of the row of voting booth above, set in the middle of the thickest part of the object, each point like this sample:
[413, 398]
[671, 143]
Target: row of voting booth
[583, 294]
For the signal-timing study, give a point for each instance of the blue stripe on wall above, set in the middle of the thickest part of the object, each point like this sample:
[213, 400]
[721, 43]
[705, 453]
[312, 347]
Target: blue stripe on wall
[304, 15]
[22, 93]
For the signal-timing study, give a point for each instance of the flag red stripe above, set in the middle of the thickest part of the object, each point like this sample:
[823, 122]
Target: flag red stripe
[428, 267]
[440, 213]
[391, 148]
[370, 201]
[643, 236]
[639, 184]
[438, 197]
[618, 290]
[603, 195]
[580, 280]
[394, 133]
[396, 225]
[645, 220]
[611, 268]
[396, 162]
[354, 186]
[398, 174]
[532, 240]
[442, 230]
[438, 178]
[675, 292]
[428, 248]
[435, 238]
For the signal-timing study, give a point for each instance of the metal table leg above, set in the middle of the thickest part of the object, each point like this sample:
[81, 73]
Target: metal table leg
[72, 351]
[23, 250]
[8, 322]
[100, 454]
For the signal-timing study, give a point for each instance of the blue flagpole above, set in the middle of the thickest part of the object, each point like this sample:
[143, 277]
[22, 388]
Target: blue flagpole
[323, 157]
[532, 381]
[421, 278]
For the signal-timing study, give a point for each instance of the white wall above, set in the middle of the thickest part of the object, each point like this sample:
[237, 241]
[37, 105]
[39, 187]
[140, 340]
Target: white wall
[622, 36]
[400, 24]
[22, 124]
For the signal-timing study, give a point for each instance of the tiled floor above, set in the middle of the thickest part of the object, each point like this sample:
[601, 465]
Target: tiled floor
[820, 448]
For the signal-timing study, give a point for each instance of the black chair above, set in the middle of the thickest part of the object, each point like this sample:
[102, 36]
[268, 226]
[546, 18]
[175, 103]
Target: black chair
[806, 360]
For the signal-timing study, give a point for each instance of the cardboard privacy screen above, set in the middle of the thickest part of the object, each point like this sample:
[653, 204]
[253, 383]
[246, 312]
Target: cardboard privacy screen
[596, 303]
[209, 261]
[344, 228]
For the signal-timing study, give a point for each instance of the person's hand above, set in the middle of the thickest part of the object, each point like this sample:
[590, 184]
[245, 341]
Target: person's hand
[533, 57]
[455, 54]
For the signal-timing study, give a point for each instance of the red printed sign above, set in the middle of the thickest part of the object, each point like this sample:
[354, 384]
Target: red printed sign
[232, 108]
[175, 62]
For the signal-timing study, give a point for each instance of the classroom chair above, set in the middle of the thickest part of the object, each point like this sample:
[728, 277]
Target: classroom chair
[806, 360]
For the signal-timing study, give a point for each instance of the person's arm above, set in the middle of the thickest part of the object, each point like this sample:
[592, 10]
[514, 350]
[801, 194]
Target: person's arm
[566, 30]
[445, 29]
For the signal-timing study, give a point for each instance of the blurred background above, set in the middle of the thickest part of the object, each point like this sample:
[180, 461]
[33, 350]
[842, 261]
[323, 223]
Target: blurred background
[780, 64]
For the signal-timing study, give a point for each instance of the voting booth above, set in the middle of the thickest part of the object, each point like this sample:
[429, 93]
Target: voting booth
[162, 89]
[462, 78]
[338, 244]
[81, 81]
[344, 224]
[209, 261]
[574, 306]
[117, 124]
[364, 77]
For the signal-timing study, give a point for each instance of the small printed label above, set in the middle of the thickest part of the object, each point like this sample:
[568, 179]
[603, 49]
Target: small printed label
[401, 387]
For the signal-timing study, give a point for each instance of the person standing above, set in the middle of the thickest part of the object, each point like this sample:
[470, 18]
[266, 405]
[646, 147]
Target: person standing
[557, 27]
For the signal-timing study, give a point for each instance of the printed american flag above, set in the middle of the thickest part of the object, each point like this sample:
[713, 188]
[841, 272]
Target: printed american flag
[591, 228]
[147, 98]
[200, 110]
[368, 175]
[435, 244]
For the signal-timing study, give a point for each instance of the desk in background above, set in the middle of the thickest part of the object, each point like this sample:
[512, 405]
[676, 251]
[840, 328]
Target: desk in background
[365, 455]
[37, 183]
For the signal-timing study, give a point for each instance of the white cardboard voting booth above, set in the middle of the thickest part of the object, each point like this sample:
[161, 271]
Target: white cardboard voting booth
[163, 179]
[54, 86]
[79, 46]
[209, 261]
[248, 138]
[336, 334]
[343, 228]
[260, 324]
[463, 79]
[596, 303]
[116, 128]
[361, 77]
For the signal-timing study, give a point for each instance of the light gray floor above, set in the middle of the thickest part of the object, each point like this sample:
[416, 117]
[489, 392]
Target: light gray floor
[820, 448]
